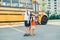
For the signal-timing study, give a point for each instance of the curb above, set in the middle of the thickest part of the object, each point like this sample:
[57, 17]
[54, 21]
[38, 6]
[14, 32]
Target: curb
[3, 25]
[54, 23]
[11, 26]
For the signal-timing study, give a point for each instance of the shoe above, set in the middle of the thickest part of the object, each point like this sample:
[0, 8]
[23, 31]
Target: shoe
[27, 35]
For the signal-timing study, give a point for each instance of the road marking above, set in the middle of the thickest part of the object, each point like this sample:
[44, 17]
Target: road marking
[18, 30]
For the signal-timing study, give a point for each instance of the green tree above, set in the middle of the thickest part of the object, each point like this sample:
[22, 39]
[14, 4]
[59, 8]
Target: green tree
[52, 16]
[0, 0]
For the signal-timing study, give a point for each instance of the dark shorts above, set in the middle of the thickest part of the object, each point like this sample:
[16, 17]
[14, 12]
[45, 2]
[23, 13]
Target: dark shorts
[26, 23]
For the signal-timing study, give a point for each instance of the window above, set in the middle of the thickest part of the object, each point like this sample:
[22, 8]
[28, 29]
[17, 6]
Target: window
[49, 3]
[29, 3]
[49, 7]
[54, 0]
[0, 2]
[14, 3]
[55, 11]
[23, 1]
[6, 3]
[48, 0]
[55, 5]
[55, 8]
[22, 4]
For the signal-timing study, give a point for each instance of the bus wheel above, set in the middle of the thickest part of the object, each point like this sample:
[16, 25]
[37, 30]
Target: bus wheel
[44, 20]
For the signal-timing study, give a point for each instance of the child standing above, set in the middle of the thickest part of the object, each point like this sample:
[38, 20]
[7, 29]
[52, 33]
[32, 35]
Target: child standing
[33, 24]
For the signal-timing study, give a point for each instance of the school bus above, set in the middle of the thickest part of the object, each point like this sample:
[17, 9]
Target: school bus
[42, 17]
[13, 11]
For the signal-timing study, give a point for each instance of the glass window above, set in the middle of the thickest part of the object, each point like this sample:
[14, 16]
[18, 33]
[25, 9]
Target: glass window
[55, 8]
[14, 3]
[22, 4]
[48, 0]
[22, 1]
[49, 3]
[6, 3]
[29, 3]
[55, 5]
[54, 0]
[0, 2]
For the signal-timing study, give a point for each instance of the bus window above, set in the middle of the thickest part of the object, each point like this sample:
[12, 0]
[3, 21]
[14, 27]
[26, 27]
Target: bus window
[6, 3]
[14, 3]
[29, 3]
[22, 4]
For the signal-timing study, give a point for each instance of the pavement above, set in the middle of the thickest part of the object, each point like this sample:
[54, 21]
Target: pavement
[42, 32]
[15, 31]
[54, 23]
[2, 25]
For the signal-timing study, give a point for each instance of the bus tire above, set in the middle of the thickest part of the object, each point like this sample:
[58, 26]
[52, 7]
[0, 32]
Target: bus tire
[44, 20]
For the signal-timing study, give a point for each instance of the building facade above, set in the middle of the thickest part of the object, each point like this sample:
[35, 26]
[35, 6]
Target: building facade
[53, 6]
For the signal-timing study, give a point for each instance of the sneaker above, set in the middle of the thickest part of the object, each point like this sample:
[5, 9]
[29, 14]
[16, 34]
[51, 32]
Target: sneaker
[27, 35]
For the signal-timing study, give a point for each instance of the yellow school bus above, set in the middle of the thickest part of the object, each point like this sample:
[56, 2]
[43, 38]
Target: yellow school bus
[13, 11]
[42, 17]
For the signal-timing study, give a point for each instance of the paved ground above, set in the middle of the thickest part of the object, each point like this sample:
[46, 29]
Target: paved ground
[54, 23]
[43, 32]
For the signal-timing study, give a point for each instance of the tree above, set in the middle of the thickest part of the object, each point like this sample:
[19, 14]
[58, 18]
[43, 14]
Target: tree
[0, 0]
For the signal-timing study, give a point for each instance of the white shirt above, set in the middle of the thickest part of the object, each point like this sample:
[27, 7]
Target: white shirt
[26, 16]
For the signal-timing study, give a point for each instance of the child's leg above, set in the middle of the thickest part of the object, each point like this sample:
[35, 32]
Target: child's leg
[33, 30]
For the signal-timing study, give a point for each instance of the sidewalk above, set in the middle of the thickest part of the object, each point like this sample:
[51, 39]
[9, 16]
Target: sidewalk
[54, 22]
[15, 24]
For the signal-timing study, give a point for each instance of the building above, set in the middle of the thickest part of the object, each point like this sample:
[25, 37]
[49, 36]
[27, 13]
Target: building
[53, 6]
